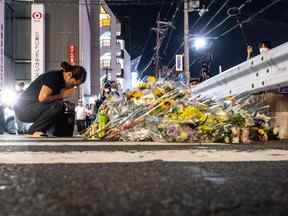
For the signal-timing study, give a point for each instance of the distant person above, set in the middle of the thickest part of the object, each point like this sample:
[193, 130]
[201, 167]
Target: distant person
[42, 102]
[89, 115]
[106, 92]
[264, 46]
[181, 78]
[21, 127]
[249, 52]
[81, 115]
[2, 120]
[205, 71]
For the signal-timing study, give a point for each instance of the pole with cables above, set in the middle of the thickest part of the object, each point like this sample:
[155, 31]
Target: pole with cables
[161, 30]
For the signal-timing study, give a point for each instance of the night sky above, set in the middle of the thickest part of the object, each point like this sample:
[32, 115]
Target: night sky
[228, 51]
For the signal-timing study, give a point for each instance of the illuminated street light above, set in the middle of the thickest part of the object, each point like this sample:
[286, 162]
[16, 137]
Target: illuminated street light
[200, 43]
[8, 97]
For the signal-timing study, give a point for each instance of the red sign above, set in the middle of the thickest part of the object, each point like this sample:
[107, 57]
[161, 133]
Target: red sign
[72, 54]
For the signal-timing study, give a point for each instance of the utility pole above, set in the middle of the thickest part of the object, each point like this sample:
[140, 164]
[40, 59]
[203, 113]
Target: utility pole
[186, 42]
[161, 30]
[190, 6]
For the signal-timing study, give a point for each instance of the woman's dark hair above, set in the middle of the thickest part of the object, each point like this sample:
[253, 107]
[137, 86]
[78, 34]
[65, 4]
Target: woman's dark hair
[78, 72]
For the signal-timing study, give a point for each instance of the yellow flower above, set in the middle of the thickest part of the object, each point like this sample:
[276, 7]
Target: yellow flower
[158, 92]
[206, 129]
[138, 94]
[167, 104]
[151, 80]
[222, 116]
[143, 86]
[135, 94]
[261, 132]
[190, 112]
[173, 116]
[183, 137]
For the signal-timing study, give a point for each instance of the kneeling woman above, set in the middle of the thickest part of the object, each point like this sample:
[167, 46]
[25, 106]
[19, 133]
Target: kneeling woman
[42, 102]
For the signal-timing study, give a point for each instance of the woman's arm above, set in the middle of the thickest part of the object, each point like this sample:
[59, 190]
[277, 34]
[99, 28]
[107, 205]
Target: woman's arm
[45, 95]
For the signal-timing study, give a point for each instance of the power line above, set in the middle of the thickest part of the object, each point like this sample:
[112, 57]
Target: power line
[170, 7]
[200, 17]
[179, 48]
[147, 42]
[115, 2]
[196, 22]
[171, 31]
[214, 16]
[249, 19]
[231, 12]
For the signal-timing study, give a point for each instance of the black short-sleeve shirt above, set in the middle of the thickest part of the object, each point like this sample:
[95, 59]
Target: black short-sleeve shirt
[53, 79]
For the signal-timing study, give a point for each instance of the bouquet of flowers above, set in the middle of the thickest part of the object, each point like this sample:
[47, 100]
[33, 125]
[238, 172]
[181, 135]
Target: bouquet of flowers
[164, 111]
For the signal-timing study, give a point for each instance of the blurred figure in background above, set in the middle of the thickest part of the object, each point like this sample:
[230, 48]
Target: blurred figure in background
[264, 46]
[81, 115]
[89, 115]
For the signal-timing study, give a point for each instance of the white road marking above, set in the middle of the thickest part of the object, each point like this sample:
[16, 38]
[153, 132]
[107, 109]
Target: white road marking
[130, 157]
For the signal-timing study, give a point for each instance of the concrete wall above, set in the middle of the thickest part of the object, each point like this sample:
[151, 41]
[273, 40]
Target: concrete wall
[95, 48]
[85, 45]
[9, 72]
[62, 30]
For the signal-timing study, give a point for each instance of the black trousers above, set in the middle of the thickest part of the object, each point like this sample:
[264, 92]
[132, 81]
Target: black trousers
[43, 115]
[81, 125]
[2, 120]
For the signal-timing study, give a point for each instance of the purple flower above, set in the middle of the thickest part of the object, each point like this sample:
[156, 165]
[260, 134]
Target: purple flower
[172, 131]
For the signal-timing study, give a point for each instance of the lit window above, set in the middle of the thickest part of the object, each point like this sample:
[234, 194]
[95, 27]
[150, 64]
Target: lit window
[105, 43]
[105, 20]
[105, 63]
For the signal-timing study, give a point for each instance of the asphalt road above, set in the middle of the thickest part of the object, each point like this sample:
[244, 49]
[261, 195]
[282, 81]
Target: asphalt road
[151, 188]
[155, 187]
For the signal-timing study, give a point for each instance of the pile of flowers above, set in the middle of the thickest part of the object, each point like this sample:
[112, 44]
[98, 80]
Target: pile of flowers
[167, 111]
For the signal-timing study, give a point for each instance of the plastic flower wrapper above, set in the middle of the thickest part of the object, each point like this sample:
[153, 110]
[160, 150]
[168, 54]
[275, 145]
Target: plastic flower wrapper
[136, 134]
[102, 121]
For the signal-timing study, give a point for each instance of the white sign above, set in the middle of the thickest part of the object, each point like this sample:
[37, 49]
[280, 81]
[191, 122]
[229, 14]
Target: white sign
[37, 40]
[2, 35]
[179, 62]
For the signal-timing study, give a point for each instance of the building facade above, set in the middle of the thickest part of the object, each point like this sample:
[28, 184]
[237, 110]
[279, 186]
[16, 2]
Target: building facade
[77, 31]
[115, 61]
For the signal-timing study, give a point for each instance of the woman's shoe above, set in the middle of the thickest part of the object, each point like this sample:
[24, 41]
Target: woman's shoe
[37, 134]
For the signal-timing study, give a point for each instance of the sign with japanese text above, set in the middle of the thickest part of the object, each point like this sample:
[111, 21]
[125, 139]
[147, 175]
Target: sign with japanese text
[37, 40]
[72, 54]
[179, 62]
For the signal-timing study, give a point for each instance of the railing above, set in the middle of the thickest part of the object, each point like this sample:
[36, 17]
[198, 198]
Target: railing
[262, 73]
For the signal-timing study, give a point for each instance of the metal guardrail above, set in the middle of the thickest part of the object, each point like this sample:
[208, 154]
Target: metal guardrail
[262, 73]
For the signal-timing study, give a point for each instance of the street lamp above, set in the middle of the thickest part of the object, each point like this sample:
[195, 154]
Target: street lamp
[200, 43]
